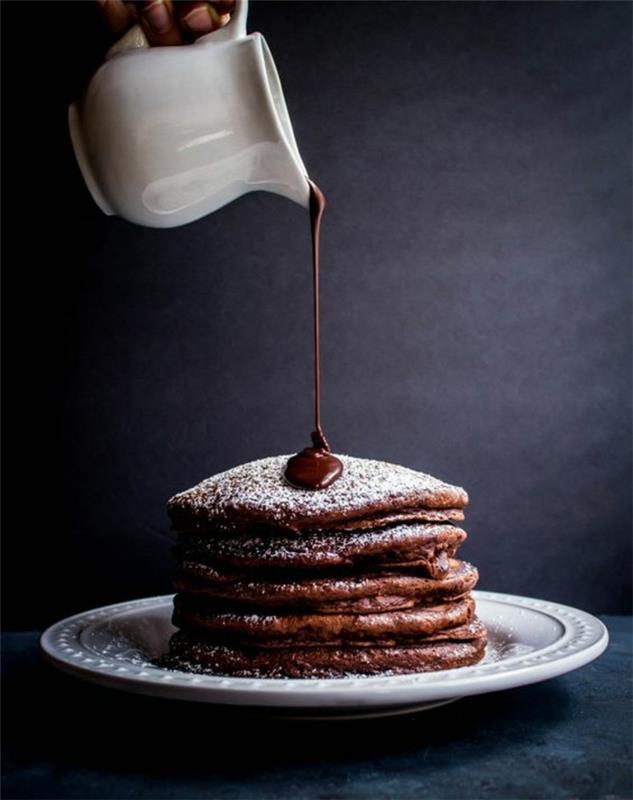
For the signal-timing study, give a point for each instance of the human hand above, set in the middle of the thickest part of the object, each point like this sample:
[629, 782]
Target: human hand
[166, 22]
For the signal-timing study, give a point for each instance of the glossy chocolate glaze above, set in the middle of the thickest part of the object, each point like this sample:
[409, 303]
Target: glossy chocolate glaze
[315, 467]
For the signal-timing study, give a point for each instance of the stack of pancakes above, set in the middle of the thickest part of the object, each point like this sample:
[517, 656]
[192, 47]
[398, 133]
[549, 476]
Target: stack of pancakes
[359, 578]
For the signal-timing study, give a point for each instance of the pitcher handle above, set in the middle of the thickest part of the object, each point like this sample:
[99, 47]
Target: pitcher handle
[235, 28]
[132, 40]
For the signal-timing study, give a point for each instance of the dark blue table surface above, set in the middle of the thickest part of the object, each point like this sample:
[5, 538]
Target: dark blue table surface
[566, 738]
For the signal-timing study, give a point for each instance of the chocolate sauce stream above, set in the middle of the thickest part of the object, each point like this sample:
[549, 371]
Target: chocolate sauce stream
[317, 207]
[315, 467]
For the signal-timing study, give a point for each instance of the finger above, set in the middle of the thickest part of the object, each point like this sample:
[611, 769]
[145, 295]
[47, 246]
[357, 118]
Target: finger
[199, 18]
[224, 6]
[159, 23]
[116, 15]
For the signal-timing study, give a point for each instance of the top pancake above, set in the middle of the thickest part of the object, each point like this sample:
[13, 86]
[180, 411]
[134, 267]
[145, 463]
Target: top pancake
[368, 493]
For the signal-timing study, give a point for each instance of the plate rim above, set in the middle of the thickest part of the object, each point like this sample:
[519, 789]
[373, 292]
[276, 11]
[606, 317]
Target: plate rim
[584, 638]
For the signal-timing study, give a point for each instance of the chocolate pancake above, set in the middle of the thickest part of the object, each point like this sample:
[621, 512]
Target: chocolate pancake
[368, 493]
[424, 545]
[458, 647]
[362, 593]
[271, 630]
[356, 578]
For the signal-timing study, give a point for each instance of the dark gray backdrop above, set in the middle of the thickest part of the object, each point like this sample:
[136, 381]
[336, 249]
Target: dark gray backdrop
[476, 297]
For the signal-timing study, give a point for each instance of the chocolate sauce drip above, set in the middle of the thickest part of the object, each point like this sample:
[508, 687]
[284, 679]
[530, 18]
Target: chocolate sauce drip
[315, 467]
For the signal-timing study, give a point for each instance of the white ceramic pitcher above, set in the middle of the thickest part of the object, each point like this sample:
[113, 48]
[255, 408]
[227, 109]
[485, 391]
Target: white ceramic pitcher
[166, 135]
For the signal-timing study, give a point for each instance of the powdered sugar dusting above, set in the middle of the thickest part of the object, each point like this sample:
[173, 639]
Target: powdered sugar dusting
[258, 490]
[323, 549]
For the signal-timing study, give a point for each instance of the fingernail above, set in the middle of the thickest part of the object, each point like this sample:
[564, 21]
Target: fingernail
[224, 18]
[199, 21]
[158, 17]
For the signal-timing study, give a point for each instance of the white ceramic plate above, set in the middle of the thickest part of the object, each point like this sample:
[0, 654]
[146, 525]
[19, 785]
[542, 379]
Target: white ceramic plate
[529, 640]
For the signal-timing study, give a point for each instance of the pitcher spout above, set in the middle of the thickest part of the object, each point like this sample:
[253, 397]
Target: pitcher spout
[295, 186]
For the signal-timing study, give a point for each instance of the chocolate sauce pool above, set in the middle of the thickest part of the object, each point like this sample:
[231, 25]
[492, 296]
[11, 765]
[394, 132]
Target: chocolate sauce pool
[315, 467]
